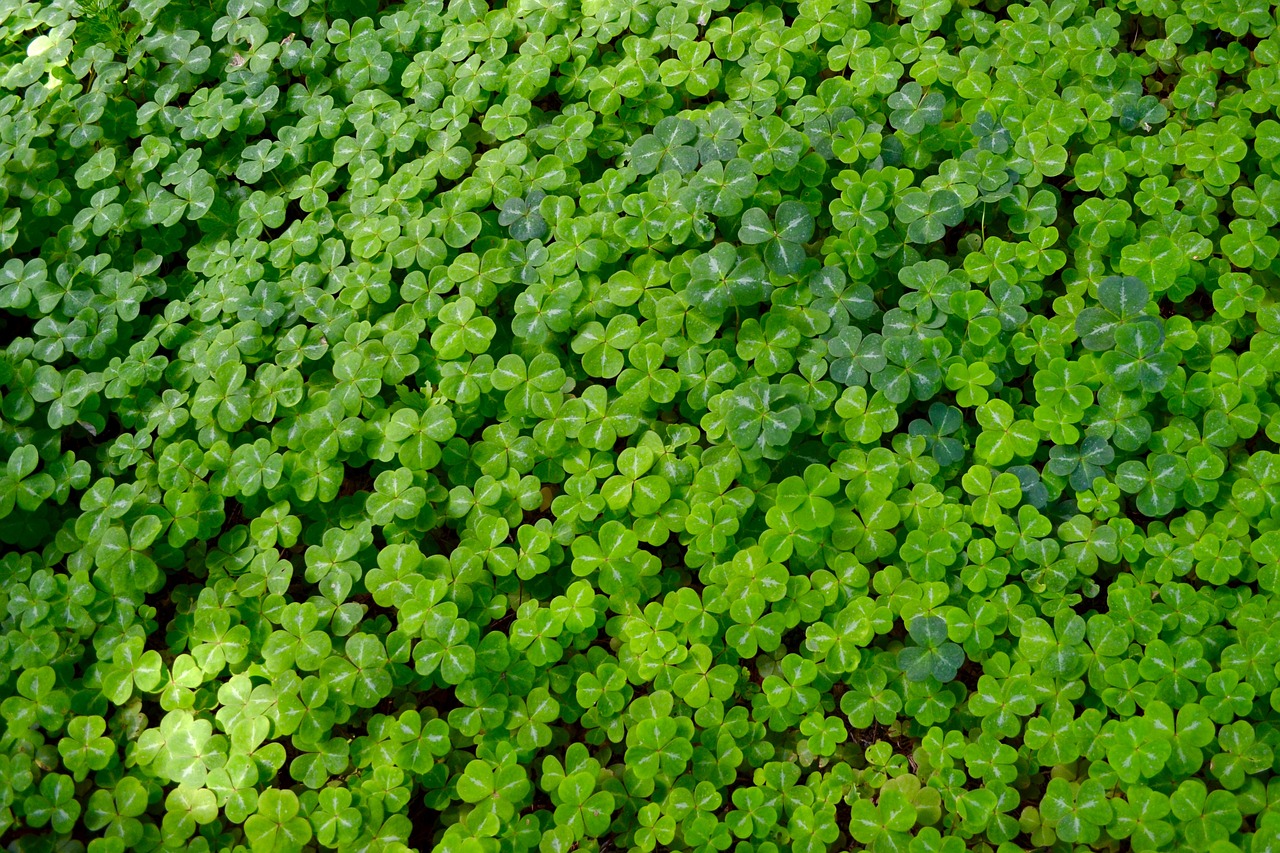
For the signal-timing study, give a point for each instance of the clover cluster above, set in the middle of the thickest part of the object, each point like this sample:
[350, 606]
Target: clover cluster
[670, 426]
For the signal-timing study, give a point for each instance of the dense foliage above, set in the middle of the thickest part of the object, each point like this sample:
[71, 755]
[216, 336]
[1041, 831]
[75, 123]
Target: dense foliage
[654, 425]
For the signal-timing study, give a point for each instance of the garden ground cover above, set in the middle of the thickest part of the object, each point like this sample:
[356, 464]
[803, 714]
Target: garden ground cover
[639, 425]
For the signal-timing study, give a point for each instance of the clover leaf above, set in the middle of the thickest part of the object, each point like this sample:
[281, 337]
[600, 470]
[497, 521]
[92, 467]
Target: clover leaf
[783, 237]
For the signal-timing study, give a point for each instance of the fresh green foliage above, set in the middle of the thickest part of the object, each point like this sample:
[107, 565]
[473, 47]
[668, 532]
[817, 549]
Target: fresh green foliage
[639, 425]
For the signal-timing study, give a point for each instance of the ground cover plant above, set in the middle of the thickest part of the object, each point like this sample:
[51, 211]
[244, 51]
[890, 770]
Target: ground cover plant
[639, 425]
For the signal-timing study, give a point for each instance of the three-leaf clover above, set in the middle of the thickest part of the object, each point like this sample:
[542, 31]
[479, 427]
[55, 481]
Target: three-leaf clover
[932, 655]
[783, 238]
